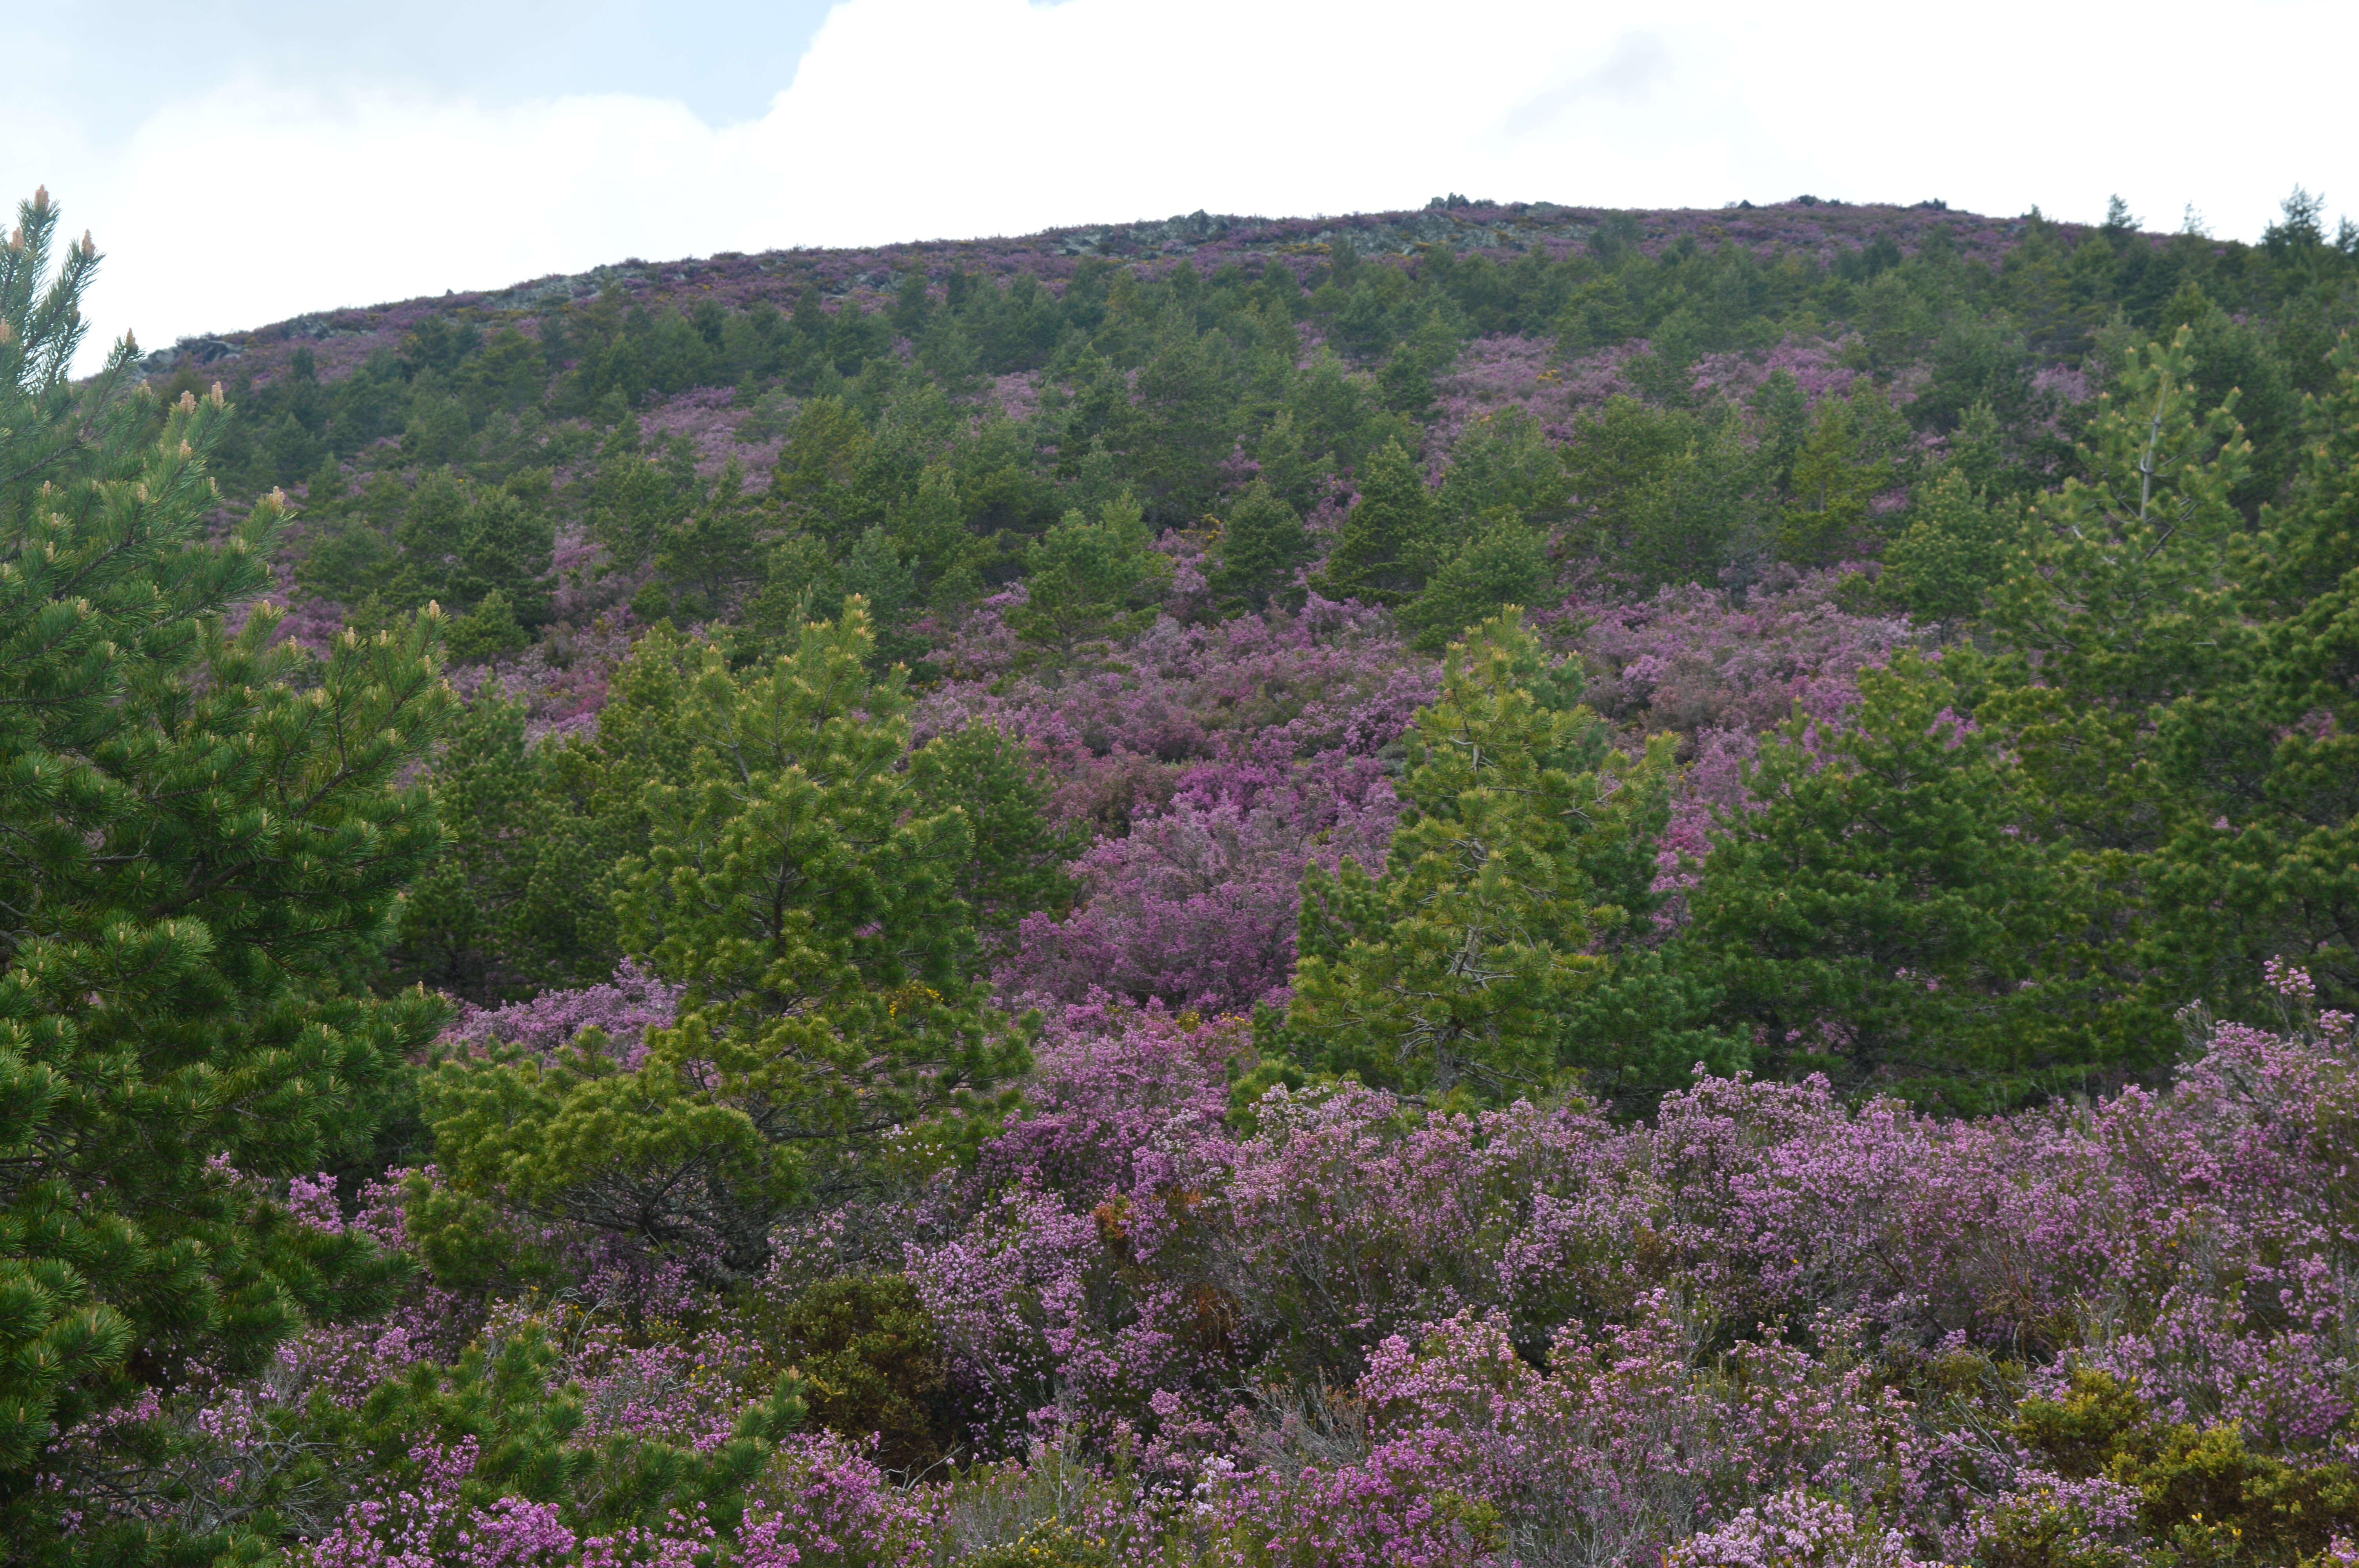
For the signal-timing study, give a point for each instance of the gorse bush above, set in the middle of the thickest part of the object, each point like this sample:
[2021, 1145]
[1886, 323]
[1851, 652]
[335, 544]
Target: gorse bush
[1497, 886]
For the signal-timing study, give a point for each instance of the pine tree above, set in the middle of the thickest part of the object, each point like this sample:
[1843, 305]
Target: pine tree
[1091, 584]
[874, 572]
[1954, 549]
[1262, 542]
[1388, 544]
[713, 556]
[930, 529]
[1017, 866]
[810, 909]
[2266, 863]
[2119, 602]
[1841, 468]
[207, 831]
[1451, 974]
[1891, 914]
[1504, 562]
[459, 542]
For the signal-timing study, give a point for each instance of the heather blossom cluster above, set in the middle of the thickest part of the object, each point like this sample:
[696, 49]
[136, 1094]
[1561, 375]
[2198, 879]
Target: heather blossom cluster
[1768, 1327]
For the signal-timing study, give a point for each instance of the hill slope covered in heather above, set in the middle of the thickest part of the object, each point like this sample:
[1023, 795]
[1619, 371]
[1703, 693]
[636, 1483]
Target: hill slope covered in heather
[1505, 884]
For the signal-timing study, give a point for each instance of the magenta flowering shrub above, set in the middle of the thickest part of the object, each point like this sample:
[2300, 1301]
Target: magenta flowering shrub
[428, 1524]
[1215, 766]
[710, 419]
[623, 1009]
[1196, 904]
[1331, 676]
[1768, 1327]
[1693, 659]
[1499, 372]
[561, 680]
[1795, 1528]
[822, 1502]
[2093, 1520]
[1817, 365]
[1552, 1291]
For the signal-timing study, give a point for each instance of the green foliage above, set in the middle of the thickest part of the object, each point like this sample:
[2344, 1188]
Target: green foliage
[1090, 584]
[871, 1364]
[818, 468]
[1660, 496]
[2117, 596]
[524, 1432]
[1844, 464]
[812, 915]
[2200, 1488]
[2269, 742]
[208, 833]
[1262, 543]
[2118, 606]
[713, 556]
[1891, 914]
[1388, 539]
[1954, 549]
[1051, 1545]
[487, 630]
[1451, 973]
[1504, 562]
[1017, 862]
[1503, 462]
[460, 543]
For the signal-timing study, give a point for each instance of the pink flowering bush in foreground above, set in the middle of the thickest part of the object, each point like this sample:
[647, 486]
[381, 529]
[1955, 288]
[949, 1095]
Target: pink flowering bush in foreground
[1769, 1328]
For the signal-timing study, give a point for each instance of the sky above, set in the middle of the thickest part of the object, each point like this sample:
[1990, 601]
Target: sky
[245, 161]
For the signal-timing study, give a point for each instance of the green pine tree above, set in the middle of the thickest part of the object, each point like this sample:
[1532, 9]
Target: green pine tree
[2266, 865]
[713, 555]
[1017, 866]
[811, 912]
[1090, 584]
[1844, 464]
[1954, 549]
[1505, 562]
[1891, 914]
[208, 831]
[1262, 543]
[1451, 974]
[1388, 544]
[816, 470]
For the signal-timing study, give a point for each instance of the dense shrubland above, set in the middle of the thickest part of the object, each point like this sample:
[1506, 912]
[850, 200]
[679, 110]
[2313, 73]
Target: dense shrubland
[1679, 891]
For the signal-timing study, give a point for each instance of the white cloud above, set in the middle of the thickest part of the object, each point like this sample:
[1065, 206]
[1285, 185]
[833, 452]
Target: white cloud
[927, 118]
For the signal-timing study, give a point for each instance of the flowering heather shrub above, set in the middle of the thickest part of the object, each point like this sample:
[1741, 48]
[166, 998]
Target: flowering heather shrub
[1330, 675]
[1816, 364]
[2048, 1518]
[1770, 1327]
[1117, 741]
[1795, 1530]
[1323, 1240]
[1693, 659]
[1499, 372]
[711, 418]
[1196, 904]
[1216, 766]
[624, 1009]
[561, 680]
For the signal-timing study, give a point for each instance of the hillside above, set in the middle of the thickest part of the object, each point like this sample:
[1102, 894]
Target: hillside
[1503, 884]
[1743, 404]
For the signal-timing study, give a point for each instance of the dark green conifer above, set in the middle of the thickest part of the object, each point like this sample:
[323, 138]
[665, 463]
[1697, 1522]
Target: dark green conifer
[207, 830]
[1262, 542]
[1388, 543]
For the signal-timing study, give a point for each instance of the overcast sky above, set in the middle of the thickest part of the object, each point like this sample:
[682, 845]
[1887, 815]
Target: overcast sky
[245, 160]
